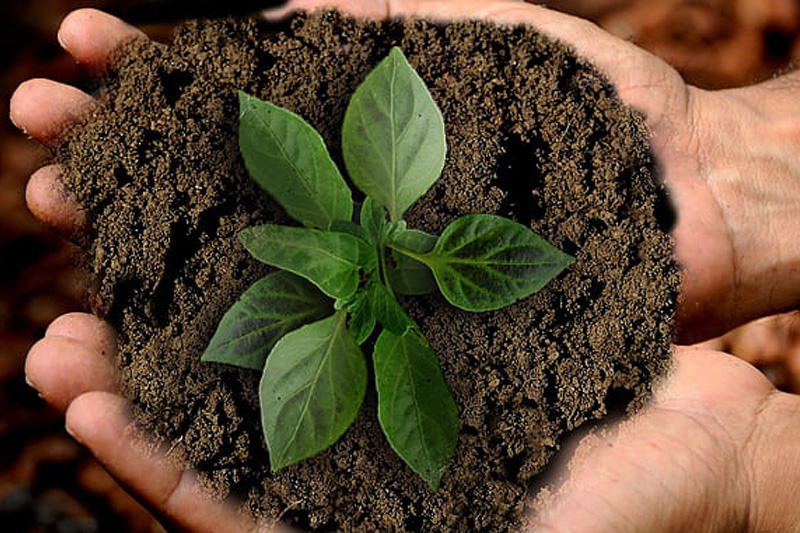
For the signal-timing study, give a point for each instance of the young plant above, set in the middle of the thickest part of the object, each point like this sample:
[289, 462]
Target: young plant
[303, 326]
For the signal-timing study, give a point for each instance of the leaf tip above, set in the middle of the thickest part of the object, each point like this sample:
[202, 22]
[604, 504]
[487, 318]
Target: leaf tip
[434, 479]
[244, 236]
[245, 101]
[567, 260]
[277, 461]
[275, 466]
[207, 357]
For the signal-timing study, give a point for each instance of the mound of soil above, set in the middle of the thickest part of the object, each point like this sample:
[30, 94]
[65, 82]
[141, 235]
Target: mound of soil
[534, 133]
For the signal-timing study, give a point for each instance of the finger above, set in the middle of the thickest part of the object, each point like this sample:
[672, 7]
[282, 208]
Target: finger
[96, 334]
[715, 381]
[793, 366]
[91, 36]
[75, 356]
[44, 108]
[101, 422]
[54, 205]
[758, 342]
[717, 344]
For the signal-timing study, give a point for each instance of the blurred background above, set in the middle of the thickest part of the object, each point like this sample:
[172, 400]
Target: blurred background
[48, 483]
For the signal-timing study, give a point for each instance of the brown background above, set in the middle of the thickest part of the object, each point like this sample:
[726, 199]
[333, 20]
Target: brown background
[47, 482]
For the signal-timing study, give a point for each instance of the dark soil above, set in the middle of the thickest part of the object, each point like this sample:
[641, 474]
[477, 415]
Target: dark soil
[534, 133]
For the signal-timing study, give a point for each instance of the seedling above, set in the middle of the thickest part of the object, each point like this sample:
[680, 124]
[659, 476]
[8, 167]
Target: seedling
[303, 326]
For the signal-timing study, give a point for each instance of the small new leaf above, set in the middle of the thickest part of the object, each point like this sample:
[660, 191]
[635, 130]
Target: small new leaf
[362, 319]
[486, 262]
[272, 307]
[373, 220]
[288, 159]
[331, 261]
[386, 309]
[415, 407]
[311, 390]
[393, 138]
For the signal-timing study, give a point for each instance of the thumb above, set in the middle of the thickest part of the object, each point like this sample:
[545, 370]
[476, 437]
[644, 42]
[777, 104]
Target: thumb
[631, 70]
[101, 422]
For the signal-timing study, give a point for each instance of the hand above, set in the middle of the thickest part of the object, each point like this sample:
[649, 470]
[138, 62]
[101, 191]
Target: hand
[727, 158]
[771, 343]
[73, 366]
[685, 443]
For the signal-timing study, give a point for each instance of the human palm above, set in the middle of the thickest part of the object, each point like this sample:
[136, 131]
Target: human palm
[699, 458]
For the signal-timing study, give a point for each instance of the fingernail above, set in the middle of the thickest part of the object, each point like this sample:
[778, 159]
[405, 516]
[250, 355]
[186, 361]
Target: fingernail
[14, 122]
[60, 39]
[31, 384]
[72, 434]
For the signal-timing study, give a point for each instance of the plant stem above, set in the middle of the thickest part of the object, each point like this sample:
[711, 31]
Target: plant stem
[408, 253]
[384, 269]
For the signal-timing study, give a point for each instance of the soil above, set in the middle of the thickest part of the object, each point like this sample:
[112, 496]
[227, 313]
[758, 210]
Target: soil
[534, 133]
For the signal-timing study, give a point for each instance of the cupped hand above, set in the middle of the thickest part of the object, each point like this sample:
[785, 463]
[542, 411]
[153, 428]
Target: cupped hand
[73, 368]
[713, 451]
[73, 365]
[727, 158]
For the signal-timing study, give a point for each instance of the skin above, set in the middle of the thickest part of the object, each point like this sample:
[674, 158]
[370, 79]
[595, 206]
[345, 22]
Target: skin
[772, 343]
[716, 450]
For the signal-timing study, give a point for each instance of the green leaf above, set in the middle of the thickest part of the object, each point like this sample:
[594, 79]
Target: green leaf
[288, 159]
[373, 220]
[311, 390]
[331, 261]
[391, 229]
[413, 240]
[409, 276]
[362, 319]
[347, 226]
[393, 138]
[485, 262]
[386, 309]
[273, 306]
[415, 407]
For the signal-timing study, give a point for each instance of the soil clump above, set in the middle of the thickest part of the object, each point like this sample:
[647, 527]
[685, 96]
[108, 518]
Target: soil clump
[534, 133]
